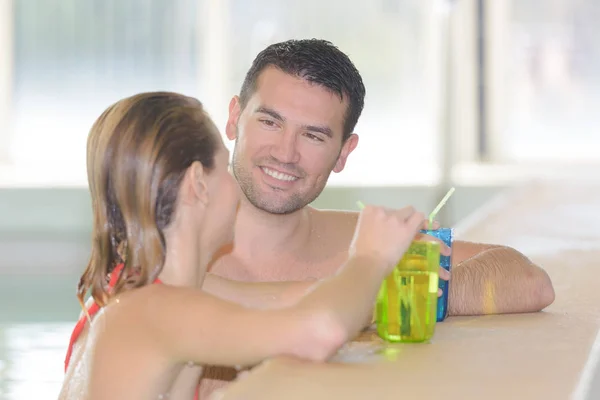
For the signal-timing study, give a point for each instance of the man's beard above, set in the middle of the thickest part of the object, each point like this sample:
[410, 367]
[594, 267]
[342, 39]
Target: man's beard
[245, 180]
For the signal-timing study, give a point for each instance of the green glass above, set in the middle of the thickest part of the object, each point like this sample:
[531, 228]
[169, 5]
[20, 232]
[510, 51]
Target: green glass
[406, 308]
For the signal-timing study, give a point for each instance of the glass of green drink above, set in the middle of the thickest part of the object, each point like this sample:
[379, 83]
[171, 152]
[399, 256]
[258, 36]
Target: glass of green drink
[406, 307]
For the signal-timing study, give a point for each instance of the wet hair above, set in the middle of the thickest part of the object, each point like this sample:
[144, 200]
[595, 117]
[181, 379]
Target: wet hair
[138, 151]
[318, 62]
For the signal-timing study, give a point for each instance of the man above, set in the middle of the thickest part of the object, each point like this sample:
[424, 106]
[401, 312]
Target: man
[293, 124]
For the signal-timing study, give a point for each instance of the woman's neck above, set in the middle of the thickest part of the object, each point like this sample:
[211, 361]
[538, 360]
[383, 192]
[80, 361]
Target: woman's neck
[185, 261]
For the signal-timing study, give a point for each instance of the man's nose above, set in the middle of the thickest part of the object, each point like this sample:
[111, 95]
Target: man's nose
[285, 149]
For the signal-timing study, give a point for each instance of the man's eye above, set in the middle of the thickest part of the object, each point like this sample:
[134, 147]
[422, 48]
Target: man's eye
[313, 137]
[267, 122]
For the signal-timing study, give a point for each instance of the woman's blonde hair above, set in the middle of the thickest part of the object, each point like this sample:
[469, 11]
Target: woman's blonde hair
[137, 153]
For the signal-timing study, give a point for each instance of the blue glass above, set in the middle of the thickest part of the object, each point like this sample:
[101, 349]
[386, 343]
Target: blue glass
[446, 236]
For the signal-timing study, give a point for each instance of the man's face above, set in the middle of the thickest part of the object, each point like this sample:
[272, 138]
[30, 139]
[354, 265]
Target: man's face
[288, 140]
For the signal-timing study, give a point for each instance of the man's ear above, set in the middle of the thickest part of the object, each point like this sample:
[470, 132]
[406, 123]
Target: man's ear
[234, 115]
[347, 148]
[194, 188]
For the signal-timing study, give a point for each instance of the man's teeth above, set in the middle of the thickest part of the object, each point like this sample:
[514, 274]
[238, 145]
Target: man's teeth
[279, 175]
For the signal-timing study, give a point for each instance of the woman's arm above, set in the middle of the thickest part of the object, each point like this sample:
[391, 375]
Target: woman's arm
[194, 326]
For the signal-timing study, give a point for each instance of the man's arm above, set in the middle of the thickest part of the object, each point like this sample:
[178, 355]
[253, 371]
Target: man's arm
[491, 279]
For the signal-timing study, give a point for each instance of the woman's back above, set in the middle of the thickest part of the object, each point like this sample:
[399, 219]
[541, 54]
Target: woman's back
[117, 356]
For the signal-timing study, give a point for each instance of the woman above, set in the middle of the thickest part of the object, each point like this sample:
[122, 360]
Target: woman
[163, 204]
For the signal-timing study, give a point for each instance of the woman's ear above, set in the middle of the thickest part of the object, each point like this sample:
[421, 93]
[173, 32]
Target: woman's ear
[195, 188]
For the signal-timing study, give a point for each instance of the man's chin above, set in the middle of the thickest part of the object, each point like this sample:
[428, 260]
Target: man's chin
[273, 200]
[279, 208]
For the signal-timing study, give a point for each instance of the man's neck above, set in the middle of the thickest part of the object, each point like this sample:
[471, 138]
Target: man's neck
[261, 235]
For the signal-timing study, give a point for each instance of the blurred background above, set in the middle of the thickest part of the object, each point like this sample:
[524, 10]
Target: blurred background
[477, 94]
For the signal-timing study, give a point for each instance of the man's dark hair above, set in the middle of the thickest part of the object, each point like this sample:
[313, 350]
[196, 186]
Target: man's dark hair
[316, 61]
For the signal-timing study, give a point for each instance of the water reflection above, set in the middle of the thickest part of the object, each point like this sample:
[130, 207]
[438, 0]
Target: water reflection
[31, 360]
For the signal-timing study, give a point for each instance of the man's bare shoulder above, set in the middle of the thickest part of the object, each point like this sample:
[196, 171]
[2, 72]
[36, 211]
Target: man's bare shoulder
[332, 230]
[339, 221]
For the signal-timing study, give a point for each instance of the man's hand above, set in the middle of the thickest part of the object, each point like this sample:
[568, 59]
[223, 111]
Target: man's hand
[444, 249]
[445, 276]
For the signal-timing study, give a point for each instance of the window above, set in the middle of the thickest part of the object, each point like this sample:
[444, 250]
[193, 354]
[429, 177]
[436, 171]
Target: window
[72, 58]
[546, 87]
